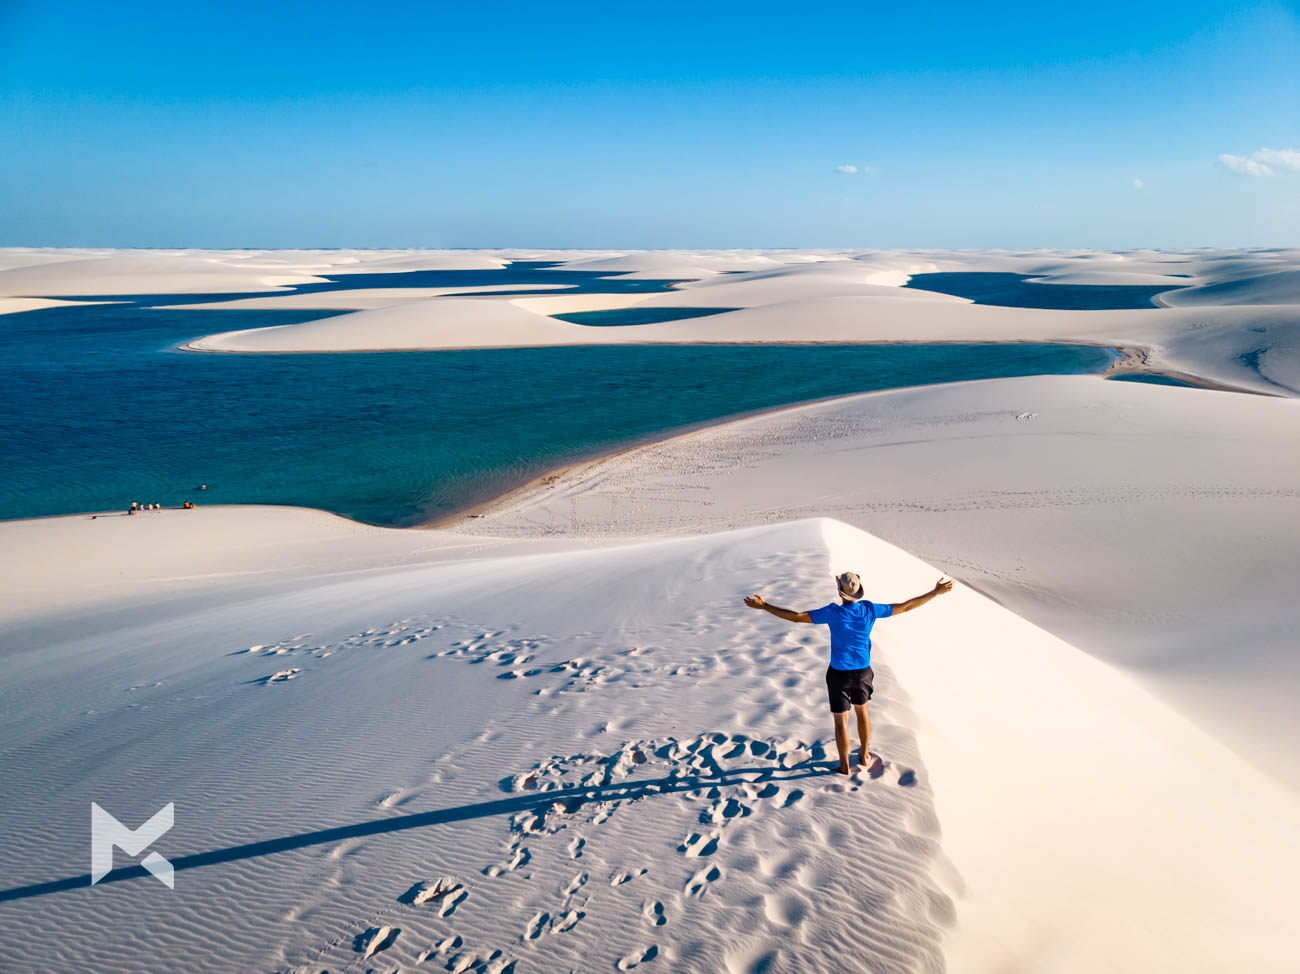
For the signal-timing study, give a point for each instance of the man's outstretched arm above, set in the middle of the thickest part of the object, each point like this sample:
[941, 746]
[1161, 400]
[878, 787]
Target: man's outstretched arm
[941, 586]
[789, 615]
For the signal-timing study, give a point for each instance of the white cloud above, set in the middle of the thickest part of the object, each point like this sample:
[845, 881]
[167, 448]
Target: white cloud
[1279, 158]
[847, 170]
[1243, 165]
[1138, 184]
[1265, 162]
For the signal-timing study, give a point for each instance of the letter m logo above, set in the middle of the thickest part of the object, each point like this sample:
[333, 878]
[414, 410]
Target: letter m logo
[106, 832]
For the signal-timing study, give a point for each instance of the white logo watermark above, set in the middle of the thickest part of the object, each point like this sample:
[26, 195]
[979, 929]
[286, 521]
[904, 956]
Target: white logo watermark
[106, 832]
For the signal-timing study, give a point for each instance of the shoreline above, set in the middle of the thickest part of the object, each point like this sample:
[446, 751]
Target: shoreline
[1133, 359]
[789, 343]
[1130, 360]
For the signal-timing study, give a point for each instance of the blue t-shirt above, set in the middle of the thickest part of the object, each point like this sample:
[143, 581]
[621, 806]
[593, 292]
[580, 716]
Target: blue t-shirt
[851, 630]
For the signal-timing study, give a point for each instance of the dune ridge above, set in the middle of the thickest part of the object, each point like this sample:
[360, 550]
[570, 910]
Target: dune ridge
[653, 761]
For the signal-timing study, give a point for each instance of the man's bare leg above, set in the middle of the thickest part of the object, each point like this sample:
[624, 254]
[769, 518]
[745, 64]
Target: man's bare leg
[864, 732]
[842, 740]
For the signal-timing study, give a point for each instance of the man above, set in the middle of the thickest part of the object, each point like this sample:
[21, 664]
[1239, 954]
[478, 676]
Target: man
[848, 678]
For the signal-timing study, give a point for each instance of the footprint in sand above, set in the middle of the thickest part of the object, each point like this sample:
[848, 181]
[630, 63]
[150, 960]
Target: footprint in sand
[536, 926]
[699, 884]
[451, 901]
[618, 879]
[453, 942]
[566, 921]
[398, 798]
[518, 674]
[575, 884]
[374, 940]
[394, 634]
[699, 845]
[544, 923]
[723, 811]
[517, 860]
[637, 958]
[653, 912]
[444, 889]
[492, 963]
[901, 776]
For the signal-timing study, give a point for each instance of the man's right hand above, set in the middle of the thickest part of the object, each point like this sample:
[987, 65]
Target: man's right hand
[941, 586]
[755, 601]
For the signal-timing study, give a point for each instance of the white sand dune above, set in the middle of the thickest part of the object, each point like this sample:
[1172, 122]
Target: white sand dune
[610, 760]
[455, 260]
[12, 258]
[1110, 277]
[58, 273]
[140, 274]
[36, 272]
[1278, 287]
[793, 282]
[9, 306]
[560, 304]
[552, 737]
[1085, 854]
[1244, 339]
[1153, 527]
[1253, 348]
[667, 265]
[448, 322]
[436, 324]
[1096, 267]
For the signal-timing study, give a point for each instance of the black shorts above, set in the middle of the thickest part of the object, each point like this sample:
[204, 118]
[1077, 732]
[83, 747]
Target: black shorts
[848, 687]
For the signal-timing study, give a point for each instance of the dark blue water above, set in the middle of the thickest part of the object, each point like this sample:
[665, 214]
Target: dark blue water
[97, 410]
[541, 273]
[638, 316]
[1016, 291]
[1153, 378]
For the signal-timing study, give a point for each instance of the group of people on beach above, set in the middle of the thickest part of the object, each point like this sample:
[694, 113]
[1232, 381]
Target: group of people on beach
[136, 507]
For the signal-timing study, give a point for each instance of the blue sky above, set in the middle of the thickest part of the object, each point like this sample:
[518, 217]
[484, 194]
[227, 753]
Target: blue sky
[657, 125]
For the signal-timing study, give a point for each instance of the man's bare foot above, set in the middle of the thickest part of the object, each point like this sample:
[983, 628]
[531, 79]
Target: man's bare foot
[872, 764]
[843, 768]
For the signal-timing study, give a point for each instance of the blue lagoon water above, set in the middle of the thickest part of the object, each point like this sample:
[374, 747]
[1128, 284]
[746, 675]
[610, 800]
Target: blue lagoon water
[98, 408]
[1018, 291]
[638, 316]
[546, 275]
[1152, 378]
